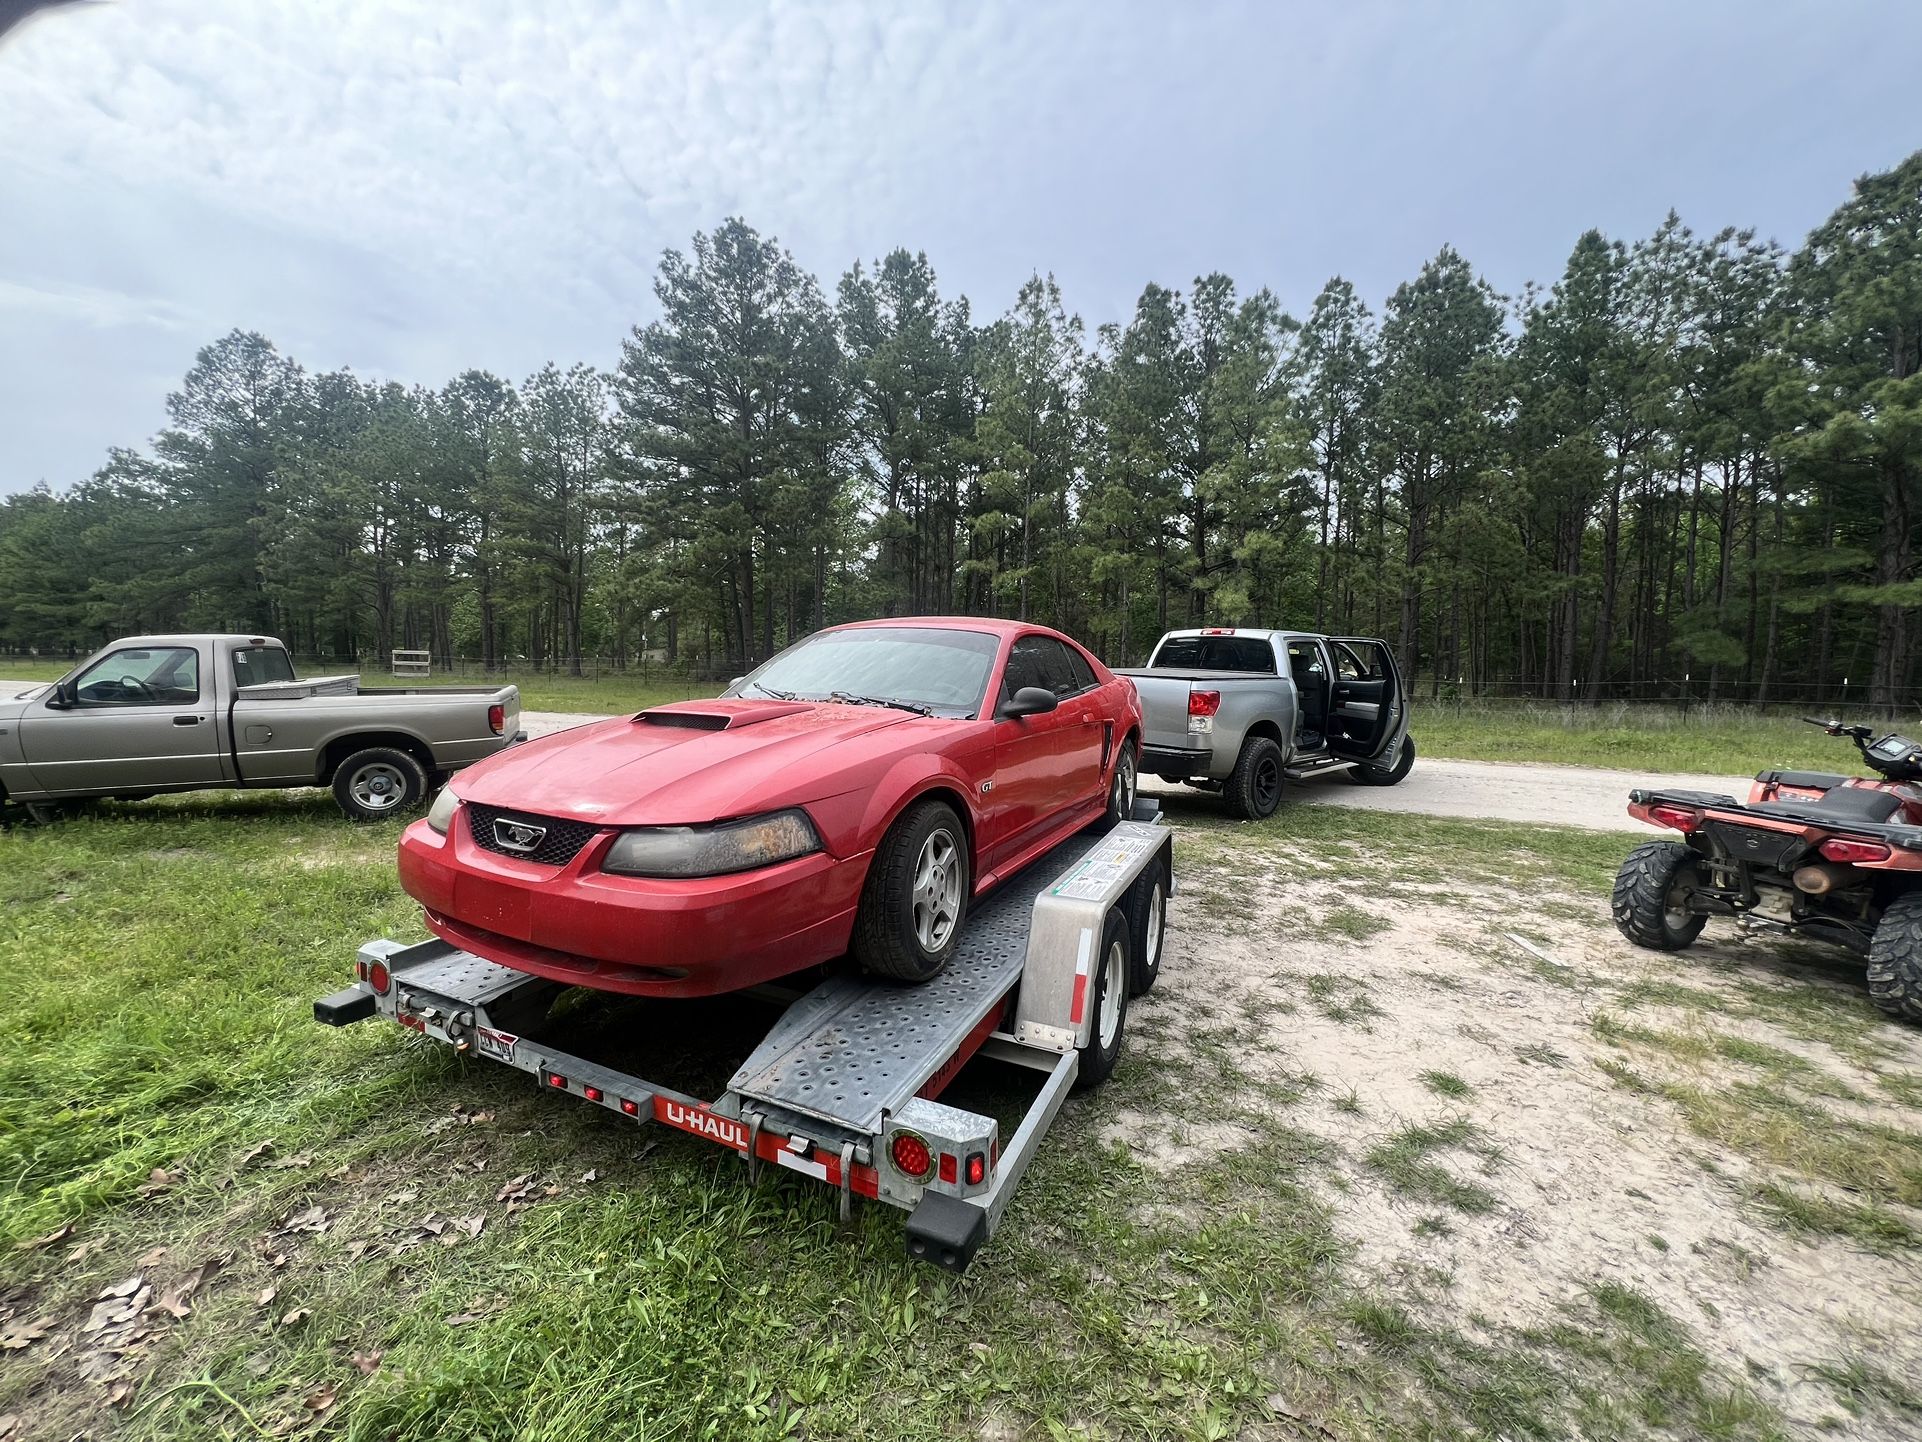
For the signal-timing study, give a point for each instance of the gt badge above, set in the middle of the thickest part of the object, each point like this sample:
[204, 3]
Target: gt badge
[986, 786]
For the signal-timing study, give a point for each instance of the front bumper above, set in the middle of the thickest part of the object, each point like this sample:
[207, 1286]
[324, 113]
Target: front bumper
[644, 936]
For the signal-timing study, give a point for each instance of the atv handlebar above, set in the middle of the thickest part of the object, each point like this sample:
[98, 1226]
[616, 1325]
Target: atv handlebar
[1836, 728]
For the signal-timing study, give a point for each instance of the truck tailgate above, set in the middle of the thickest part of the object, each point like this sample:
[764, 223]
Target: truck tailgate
[1164, 704]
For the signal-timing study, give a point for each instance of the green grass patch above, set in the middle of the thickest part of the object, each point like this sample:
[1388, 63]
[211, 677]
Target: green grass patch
[1711, 740]
[1446, 1084]
[1871, 1226]
[1406, 1161]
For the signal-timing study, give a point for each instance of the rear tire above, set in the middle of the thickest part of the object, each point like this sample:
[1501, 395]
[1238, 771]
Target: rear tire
[1649, 893]
[916, 895]
[1107, 1005]
[1253, 789]
[1121, 787]
[379, 783]
[1895, 959]
[1388, 775]
[1147, 926]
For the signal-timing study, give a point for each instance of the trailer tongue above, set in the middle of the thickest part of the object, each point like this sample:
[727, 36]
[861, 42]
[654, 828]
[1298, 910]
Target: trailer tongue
[844, 1087]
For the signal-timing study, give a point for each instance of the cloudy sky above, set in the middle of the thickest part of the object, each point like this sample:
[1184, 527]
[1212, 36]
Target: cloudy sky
[410, 189]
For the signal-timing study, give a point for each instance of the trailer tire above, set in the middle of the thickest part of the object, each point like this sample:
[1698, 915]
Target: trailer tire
[1388, 775]
[1253, 788]
[1107, 1004]
[378, 783]
[1147, 925]
[1895, 959]
[1642, 901]
[924, 851]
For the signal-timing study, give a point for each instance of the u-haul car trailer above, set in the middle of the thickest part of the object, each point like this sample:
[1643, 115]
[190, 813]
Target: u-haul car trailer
[846, 1087]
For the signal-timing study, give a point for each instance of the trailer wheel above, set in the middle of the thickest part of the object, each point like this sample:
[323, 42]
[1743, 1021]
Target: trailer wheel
[379, 782]
[1649, 901]
[916, 895]
[1253, 789]
[1895, 959]
[1108, 1004]
[1147, 925]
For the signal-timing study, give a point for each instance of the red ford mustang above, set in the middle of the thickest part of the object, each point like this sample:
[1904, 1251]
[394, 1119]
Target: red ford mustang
[853, 794]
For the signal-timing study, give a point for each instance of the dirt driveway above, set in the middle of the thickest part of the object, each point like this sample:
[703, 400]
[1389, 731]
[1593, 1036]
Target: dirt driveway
[1539, 794]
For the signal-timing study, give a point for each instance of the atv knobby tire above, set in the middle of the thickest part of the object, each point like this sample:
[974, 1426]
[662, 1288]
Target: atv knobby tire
[1895, 959]
[1643, 902]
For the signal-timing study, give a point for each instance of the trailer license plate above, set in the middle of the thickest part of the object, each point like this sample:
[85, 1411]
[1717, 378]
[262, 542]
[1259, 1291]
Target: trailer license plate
[497, 1044]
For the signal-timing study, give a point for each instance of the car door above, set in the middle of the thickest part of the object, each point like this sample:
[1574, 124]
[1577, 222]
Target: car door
[1369, 714]
[141, 718]
[1075, 683]
[1035, 757]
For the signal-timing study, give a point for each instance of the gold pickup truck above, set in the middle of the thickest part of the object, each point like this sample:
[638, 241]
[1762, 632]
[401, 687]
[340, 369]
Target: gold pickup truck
[151, 714]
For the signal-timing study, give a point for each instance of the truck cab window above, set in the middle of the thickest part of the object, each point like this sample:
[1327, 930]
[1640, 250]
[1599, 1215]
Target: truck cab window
[1252, 654]
[260, 665]
[143, 676]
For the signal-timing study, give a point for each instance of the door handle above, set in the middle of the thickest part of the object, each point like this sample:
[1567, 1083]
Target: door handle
[186, 720]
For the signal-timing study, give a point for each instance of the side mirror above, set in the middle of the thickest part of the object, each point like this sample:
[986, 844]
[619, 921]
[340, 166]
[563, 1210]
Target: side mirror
[1030, 701]
[65, 696]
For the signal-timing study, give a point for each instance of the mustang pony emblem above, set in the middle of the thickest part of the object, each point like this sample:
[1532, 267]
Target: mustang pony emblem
[518, 835]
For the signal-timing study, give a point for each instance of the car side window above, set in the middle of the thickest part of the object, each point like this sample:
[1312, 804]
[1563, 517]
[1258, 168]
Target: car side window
[1057, 669]
[141, 676]
[1025, 667]
[1304, 659]
[1083, 672]
[1363, 665]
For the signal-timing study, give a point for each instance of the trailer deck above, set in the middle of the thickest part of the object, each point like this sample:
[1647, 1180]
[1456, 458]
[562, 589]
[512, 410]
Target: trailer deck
[844, 1088]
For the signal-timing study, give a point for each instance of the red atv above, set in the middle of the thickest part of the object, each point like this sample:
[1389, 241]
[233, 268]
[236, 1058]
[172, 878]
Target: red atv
[1838, 858]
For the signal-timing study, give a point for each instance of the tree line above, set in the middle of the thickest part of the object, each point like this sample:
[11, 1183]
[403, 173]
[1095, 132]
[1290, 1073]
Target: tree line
[1689, 457]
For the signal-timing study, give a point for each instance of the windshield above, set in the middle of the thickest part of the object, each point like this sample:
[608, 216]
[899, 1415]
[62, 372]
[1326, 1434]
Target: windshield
[941, 669]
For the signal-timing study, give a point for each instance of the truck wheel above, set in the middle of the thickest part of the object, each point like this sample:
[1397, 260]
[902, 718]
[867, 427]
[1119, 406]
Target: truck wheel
[1895, 958]
[915, 896]
[1107, 1003]
[1650, 900]
[1388, 775]
[1148, 924]
[1121, 790]
[379, 782]
[1253, 789]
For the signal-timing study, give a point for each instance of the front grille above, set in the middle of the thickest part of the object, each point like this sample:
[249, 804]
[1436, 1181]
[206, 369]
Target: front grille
[560, 844]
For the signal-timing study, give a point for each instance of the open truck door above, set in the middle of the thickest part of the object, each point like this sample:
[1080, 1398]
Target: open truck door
[1368, 714]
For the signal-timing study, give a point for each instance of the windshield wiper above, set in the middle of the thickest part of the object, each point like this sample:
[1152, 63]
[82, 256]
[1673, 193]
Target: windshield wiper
[770, 691]
[899, 705]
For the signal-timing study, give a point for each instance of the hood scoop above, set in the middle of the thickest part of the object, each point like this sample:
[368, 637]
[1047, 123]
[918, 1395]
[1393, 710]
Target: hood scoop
[718, 715]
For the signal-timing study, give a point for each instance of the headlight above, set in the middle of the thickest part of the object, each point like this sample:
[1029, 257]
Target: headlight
[712, 850]
[440, 815]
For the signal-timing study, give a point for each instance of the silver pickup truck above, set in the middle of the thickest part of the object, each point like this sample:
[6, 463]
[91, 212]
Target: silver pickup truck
[186, 713]
[1238, 711]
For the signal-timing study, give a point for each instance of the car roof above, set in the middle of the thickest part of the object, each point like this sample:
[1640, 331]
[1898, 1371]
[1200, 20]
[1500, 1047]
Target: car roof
[992, 625]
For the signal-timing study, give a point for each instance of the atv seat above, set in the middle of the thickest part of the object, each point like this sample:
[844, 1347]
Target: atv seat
[1843, 803]
[1814, 780]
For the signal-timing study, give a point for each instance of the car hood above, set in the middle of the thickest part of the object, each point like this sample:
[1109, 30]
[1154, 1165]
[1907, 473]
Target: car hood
[690, 762]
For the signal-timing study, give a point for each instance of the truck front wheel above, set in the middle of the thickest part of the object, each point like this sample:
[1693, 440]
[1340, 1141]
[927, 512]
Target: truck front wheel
[1254, 787]
[379, 782]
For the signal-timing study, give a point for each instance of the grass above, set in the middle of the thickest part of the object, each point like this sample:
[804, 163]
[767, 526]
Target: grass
[161, 959]
[1709, 739]
[1446, 1084]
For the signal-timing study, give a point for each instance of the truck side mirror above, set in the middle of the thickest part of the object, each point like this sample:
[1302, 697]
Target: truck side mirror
[65, 696]
[1030, 701]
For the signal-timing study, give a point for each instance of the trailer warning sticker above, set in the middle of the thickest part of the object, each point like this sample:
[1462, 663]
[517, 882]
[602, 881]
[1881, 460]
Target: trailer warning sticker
[1102, 869]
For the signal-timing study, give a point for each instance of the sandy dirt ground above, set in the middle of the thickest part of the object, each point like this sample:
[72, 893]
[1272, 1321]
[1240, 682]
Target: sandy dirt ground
[1585, 1175]
[1546, 795]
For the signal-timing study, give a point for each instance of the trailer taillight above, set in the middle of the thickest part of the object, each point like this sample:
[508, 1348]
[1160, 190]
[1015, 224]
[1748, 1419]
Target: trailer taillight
[377, 976]
[593, 1094]
[1840, 850]
[557, 1081]
[911, 1156]
[497, 719]
[977, 1169]
[950, 1169]
[633, 1109]
[1680, 817]
[1203, 703]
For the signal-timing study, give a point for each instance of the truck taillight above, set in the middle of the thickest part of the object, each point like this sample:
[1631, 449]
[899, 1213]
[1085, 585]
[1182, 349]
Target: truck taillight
[1203, 703]
[1840, 850]
[497, 719]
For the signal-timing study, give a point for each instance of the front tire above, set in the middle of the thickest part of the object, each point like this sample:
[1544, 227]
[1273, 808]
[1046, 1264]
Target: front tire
[1253, 789]
[1650, 898]
[379, 783]
[1895, 959]
[1403, 763]
[916, 895]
